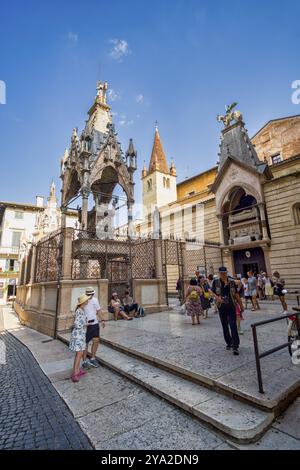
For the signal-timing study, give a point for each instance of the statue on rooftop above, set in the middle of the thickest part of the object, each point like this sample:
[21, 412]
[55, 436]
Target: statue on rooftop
[230, 115]
[101, 91]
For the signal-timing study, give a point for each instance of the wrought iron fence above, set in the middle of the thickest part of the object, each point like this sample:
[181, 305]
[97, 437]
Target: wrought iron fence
[172, 265]
[206, 257]
[49, 257]
[143, 259]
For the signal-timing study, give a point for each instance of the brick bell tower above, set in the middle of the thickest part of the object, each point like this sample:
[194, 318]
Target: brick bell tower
[159, 181]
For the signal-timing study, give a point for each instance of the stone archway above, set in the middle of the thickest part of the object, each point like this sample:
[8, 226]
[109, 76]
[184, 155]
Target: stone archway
[241, 222]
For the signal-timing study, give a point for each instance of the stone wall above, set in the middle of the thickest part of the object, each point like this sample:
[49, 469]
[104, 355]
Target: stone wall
[280, 195]
[279, 136]
[211, 224]
[36, 303]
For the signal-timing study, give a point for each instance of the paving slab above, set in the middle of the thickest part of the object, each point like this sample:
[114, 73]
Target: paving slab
[280, 378]
[172, 430]
[125, 415]
[92, 393]
[272, 440]
[289, 422]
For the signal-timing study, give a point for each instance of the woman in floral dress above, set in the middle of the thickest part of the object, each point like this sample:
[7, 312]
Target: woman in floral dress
[193, 301]
[78, 337]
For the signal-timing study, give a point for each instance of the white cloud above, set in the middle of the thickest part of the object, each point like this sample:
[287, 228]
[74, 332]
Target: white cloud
[113, 95]
[139, 98]
[73, 36]
[120, 49]
[124, 121]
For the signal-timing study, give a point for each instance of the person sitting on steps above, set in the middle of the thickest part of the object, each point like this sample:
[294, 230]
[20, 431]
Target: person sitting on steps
[130, 305]
[116, 308]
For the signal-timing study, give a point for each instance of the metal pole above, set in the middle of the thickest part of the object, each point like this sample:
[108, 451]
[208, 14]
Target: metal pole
[298, 324]
[14, 293]
[167, 287]
[257, 360]
[56, 310]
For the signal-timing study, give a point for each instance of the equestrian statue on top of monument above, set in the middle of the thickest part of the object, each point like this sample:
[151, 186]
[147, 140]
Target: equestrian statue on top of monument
[230, 115]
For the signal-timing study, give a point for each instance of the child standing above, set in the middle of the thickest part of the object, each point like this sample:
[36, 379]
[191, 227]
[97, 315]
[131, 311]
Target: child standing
[239, 317]
[78, 337]
[246, 291]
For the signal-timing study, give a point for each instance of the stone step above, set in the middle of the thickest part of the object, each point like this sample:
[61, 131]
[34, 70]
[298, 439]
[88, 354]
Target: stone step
[233, 418]
[279, 399]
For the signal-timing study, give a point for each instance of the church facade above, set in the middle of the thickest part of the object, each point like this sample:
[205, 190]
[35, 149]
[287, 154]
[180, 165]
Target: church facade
[249, 204]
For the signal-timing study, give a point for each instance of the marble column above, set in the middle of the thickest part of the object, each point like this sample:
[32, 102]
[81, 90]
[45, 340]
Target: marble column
[221, 229]
[63, 218]
[33, 263]
[67, 253]
[262, 214]
[130, 219]
[84, 208]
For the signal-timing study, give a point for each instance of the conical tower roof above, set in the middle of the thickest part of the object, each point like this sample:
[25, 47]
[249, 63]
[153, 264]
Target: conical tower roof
[158, 161]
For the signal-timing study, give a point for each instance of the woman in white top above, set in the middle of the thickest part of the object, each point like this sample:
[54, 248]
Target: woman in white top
[77, 340]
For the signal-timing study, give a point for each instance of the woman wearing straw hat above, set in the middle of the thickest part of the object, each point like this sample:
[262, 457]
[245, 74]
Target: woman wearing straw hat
[78, 336]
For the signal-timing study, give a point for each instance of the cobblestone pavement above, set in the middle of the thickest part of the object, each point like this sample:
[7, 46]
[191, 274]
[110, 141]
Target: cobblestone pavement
[32, 414]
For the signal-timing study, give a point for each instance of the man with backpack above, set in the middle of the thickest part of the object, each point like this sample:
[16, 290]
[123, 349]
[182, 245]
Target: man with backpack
[224, 291]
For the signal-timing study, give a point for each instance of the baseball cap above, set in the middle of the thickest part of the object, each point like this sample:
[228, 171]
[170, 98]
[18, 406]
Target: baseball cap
[222, 269]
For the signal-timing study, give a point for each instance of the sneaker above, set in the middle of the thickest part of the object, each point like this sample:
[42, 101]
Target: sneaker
[240, 332]
[228, 347]
[85, 365]
[93, 363]
[235, 352]
[81, 373]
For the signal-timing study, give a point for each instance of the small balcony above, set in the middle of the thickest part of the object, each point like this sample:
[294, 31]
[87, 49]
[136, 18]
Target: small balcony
[9, 250]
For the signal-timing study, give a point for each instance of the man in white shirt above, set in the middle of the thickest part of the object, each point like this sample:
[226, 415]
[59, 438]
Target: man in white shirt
[92, 310]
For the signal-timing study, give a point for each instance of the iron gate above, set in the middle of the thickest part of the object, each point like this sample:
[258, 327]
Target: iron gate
[172, 267]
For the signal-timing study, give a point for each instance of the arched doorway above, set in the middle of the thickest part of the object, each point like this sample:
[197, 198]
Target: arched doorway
[241, 217]
[251, 259]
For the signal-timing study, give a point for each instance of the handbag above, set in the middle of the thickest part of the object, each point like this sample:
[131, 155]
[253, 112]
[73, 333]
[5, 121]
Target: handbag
[182, 310]
[141, 312]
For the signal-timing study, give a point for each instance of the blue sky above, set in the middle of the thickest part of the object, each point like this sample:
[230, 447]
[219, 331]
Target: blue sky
[175, 61]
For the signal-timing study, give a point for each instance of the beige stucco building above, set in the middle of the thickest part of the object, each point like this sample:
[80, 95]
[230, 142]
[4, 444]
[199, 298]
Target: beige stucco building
[21, 225]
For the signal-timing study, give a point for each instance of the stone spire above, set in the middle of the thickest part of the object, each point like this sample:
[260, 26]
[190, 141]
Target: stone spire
[131, 159]
[52, 190]
[64, 161]
[158, 161]
[236, 143]
[99, 113]
[144, 170]
[131, 151]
